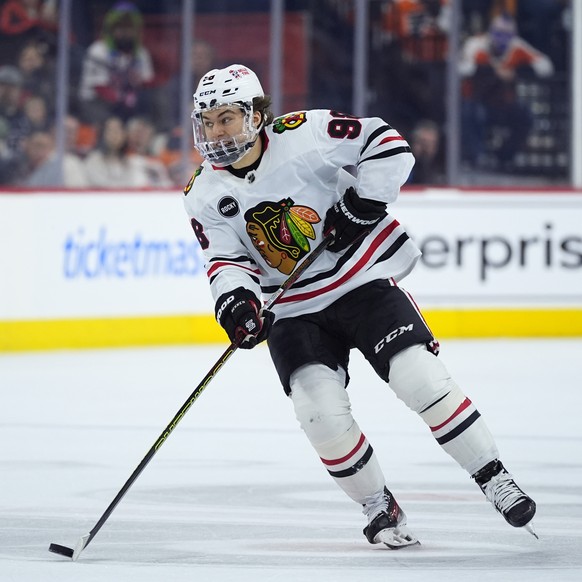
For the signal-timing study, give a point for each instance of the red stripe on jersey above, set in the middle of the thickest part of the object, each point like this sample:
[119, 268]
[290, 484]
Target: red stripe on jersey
[357, 267]
[393, 138]
[216, 266]
[350, 454]
[463, 406]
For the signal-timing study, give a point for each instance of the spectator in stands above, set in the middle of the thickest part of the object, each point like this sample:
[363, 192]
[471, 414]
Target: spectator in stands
[171, 156]
[73, 138]
[39, 167]
[544, 24]
[7, 166]
[26, 21]
[117, 69]
[141, 141]
[110, 165]
[202, 60]
[415, 37]
[11, 109]
[425, 144]
[420, 28]
[42, 168]
[38, 73]
[491, 63]
[141, 134]
[36, 112]
[75, 175]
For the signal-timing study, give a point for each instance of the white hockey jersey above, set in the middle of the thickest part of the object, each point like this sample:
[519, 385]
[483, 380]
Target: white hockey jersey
[254, 230]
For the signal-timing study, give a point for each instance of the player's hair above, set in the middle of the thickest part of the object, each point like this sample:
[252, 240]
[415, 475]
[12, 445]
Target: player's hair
[263, 106]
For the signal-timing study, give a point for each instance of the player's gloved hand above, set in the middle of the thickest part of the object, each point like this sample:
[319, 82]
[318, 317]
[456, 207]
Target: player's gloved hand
[351, 218]
[238, 313]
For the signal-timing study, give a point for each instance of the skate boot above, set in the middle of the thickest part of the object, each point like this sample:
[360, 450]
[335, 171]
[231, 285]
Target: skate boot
[387, 522]
[517, 508]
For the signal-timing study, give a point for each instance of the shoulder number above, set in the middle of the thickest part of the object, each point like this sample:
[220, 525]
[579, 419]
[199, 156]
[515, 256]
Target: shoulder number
[343, 126]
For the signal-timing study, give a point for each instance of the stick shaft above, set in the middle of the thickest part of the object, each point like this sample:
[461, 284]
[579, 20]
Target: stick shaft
[197, 391]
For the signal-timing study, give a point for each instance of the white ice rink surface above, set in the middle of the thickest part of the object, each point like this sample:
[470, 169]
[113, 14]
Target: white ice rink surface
[237, 494]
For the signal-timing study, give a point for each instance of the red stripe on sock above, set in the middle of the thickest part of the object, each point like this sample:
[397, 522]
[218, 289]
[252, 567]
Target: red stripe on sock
[350, 454]
[463, 406]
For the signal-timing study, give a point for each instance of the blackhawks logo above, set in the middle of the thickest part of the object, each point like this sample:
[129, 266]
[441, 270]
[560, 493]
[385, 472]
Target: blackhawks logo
[291, 121]
[281, 231]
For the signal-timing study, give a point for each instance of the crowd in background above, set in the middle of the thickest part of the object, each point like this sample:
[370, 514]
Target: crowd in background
[123, 127]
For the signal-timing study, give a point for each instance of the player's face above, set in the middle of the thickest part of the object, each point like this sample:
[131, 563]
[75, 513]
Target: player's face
[223, 123]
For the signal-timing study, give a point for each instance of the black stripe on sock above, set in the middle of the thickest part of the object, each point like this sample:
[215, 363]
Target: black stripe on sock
[459, 429]
[356, 467]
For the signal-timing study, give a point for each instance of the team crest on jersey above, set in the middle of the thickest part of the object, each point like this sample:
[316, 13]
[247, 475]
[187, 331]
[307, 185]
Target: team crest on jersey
[281, 231]
[191, 182]
[291, 121]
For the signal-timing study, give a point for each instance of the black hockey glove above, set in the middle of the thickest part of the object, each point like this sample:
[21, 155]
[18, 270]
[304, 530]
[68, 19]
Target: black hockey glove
[351, 218]
[238, 313]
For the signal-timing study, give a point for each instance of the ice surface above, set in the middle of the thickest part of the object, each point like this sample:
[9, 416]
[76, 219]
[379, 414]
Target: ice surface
[237, 494]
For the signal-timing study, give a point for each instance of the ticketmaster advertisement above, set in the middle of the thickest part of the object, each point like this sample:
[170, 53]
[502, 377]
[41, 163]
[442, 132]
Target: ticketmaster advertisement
[99, 255]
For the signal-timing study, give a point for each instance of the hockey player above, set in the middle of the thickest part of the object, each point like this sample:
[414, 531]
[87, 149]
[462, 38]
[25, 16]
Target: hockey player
[266, 193]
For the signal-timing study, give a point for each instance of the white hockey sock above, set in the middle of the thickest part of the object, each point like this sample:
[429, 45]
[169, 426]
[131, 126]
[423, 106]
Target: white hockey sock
[422, 382]
[323, 409]
[351, 461]
[459, 428]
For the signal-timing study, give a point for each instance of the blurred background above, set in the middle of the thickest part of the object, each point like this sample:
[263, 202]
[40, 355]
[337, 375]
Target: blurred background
[98, 93]
[95, 103]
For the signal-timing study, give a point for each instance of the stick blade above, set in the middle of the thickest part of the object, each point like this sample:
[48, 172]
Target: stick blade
[62, 550]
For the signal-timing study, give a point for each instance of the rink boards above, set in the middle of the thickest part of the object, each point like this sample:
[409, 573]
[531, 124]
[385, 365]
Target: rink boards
[116, 268]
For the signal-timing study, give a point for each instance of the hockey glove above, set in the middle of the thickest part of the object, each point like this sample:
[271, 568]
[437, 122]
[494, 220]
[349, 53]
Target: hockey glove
[352, 218]
[238, 313]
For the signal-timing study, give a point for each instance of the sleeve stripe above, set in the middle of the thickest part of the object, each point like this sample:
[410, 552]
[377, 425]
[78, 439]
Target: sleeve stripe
[392, 138]
[241, 259]
[388, 153]
[374, 135]
[216, 266]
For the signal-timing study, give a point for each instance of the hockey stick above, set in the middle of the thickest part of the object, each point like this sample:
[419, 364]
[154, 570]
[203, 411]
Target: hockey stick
[85, 540]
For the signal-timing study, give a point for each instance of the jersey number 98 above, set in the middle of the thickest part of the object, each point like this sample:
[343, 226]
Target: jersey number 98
[342, 126]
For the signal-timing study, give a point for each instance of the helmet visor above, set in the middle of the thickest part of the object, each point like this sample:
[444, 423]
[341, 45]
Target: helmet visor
[223, 148]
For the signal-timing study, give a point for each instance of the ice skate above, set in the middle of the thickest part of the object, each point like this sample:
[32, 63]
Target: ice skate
[387, 523]
[517, 508]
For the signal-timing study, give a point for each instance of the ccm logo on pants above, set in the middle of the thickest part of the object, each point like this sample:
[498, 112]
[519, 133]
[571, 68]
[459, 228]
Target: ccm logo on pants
[391, 336]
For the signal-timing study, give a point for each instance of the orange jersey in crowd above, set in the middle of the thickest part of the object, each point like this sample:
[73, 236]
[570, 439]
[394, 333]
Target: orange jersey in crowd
[422, 36]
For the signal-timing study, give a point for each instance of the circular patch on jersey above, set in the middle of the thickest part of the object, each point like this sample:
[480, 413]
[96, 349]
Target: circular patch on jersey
[228, 207]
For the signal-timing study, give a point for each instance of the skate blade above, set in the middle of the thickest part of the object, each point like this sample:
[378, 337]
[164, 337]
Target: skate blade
[530, 528]
[399, 537]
